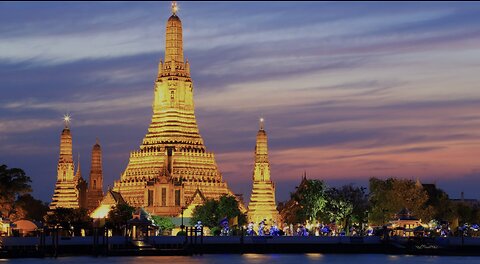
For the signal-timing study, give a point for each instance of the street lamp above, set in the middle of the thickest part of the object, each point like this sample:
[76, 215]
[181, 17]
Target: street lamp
[182, 226]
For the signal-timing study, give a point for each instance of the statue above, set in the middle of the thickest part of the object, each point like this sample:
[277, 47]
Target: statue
[199, 228]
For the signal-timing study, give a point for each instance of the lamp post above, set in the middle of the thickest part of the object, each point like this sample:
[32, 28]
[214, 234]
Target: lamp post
[182, 226]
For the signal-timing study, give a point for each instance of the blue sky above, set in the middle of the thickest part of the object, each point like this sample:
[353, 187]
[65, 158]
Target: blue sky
[349, 90]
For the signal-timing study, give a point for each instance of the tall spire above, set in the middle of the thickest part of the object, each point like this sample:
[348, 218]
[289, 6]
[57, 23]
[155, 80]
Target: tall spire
[262, 202]
[172, 150]
[66, 142]
[95, 182]
[96, 171]
[70, 187]
[262, 166]
[78, 175]
[174, 8]
[174, 41]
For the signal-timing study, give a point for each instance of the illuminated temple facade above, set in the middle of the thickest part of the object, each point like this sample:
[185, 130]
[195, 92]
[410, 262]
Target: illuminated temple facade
[172, 169]
[70, 188]
[262, 202]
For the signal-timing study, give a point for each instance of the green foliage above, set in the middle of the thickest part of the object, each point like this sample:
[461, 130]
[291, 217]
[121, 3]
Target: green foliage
[311, 200]
[34, 209]
[467, 213]
[346, 205]
[119, 215]
[338, 208]
[439, 204]
[164, 223]
[181, 233]
[215, 231]
[212, 211]
[69, 219]
[388, 197]
[13, 183]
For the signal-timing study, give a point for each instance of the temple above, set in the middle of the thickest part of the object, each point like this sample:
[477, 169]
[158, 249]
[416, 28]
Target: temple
[95, 182]
[262, 202]
[70, 188]
[172, 166]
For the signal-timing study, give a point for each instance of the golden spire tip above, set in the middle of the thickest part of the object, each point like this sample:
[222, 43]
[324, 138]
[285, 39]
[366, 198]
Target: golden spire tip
[174, 7]
[66, 119]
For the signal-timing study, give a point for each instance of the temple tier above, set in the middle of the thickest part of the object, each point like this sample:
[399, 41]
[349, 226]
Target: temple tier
[262, 202]
[172, 166]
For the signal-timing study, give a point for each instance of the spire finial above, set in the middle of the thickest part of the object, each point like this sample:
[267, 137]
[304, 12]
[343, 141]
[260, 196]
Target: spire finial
[96, 141]
[78, 174]
[66, 119]
[261, 123]
[174, 7]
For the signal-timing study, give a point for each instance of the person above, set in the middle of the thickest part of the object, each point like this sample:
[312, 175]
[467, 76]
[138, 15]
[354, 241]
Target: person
[250, 229]
[225, 228]
[198, 228]
[274, 231]
[317, 229]
[325, 230]
[370, 231]
[286, 230]
[261, 227]
[302, 231]
[353, 231]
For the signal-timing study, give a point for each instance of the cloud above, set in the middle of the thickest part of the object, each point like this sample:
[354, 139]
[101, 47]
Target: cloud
[348, 90]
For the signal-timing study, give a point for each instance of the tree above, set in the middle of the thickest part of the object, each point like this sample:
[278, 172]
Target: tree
[13, 183]
[212, 211]
[311, 200]
[346, 205]
[71, 219]
[388, 197]
[32, 208]
[119, 215]
[439, 204]
[164, 223]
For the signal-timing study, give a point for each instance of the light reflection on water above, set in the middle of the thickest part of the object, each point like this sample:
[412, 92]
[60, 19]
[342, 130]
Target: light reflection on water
[261, 258]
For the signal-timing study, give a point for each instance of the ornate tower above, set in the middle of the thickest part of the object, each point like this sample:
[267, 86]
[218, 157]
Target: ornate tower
[69, 189]
[172, 162]
[262, 202]
[95, 183]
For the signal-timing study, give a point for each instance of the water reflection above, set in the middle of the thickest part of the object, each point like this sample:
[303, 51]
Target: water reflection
[259, 258]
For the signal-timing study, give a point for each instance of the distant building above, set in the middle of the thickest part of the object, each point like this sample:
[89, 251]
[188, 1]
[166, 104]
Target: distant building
[95, 182]
[70, 188]
[405, 223]
[288, 210]
[262, 202]
[475, 203]
[5, 227]
[109, 201]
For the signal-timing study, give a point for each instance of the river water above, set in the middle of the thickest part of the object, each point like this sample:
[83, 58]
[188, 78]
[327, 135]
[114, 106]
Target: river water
[259, 258]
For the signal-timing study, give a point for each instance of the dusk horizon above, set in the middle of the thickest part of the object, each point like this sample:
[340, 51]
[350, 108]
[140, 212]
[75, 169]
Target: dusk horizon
[348, 91]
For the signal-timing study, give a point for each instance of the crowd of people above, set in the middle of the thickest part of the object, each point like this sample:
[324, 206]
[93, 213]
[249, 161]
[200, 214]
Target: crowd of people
[320, 229]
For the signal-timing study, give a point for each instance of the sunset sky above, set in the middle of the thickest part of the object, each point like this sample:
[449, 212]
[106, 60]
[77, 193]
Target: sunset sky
[348, 90]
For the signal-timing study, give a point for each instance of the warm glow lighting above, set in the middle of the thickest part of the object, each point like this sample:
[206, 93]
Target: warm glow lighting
[66, 119]
[174, 7]
[101, 212]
